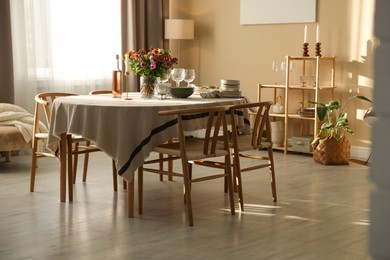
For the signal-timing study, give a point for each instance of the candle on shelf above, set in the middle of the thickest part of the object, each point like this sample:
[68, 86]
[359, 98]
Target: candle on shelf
[318, 33]
[305, 34]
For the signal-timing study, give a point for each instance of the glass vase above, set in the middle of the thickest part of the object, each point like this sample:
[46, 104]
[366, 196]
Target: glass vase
[147, 86]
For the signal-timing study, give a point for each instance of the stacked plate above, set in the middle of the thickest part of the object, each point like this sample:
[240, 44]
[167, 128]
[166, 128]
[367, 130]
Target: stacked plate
[230, 88]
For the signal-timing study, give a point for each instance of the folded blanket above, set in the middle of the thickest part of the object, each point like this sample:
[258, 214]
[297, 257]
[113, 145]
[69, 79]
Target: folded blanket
[24, 121]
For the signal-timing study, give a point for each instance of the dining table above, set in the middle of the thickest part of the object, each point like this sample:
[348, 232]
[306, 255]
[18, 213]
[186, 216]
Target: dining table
[126, 129]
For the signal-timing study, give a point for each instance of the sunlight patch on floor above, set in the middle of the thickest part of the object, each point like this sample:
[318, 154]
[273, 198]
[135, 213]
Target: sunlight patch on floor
[363, 222]
[301, 218]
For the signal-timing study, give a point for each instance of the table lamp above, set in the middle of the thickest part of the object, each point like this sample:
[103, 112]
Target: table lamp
[179, 29]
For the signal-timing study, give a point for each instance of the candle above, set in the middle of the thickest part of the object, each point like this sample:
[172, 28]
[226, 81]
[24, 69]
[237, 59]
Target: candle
[305, 34]
[318, 34]
[126, 63]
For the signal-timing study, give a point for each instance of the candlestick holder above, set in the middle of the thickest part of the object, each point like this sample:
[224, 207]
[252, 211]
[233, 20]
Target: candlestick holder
[126, 83]
[318, 49]
[305, 52]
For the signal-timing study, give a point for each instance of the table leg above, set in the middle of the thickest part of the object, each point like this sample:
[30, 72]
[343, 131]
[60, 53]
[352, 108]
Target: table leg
[130, 198]
[70, 166]
[63, 167]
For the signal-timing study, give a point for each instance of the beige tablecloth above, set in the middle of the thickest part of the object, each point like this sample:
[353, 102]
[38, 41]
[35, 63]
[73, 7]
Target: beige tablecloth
[126, 130]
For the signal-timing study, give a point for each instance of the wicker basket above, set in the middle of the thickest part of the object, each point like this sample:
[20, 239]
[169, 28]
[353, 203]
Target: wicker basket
[332, 151]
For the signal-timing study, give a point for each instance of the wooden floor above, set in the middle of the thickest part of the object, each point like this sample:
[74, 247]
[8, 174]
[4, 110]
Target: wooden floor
[322, 213]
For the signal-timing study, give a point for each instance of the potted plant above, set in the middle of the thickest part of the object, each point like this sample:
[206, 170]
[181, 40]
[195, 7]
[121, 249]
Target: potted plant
[331, 146]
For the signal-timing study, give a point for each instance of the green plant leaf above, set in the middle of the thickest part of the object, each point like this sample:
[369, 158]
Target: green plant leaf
[333, 105]
[321, 112]
[326, 126]
[364, 98]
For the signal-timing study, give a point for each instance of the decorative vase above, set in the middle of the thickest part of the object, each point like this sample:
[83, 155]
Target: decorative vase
[277, 133]
[147, 86]
[332, 151]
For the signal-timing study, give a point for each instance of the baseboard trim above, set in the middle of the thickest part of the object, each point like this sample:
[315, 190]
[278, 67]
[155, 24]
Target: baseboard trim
[360, 152]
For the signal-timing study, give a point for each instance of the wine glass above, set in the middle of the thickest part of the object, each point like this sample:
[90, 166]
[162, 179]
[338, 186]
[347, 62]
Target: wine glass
[303, 79]
[165, 77]
[189, 76]
[177, 75]
[275, 66]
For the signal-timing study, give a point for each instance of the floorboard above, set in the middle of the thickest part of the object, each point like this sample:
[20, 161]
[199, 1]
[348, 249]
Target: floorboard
[322, 213]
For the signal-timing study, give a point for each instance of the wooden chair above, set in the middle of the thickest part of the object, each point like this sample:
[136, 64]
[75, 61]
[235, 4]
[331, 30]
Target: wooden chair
[242, 143]
[260, 138]
[44, 101]
[114, 170]
[190, 148]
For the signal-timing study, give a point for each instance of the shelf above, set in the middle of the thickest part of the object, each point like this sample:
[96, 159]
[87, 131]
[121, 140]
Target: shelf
[277, 115]
[272, 86]
[301, 117]
[291, 93]
[310, 87]
[330, 58]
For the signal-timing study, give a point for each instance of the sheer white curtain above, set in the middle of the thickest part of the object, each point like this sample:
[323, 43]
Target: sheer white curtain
[63, 45]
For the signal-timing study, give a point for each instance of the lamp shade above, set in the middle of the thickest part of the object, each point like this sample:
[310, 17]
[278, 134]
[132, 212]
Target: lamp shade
[179, 29]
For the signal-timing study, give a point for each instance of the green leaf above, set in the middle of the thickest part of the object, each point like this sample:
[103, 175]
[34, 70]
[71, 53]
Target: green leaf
[333, 105]
[321, 112]
[364, 98]
[326, 126]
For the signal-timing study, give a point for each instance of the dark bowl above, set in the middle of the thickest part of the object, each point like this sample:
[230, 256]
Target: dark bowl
[181, 92]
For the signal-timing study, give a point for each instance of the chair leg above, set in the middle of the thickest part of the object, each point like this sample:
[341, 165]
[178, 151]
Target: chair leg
[170, 163]
[33, 165]
[130, 199]
[187, 188]
[170, 168]
[228, 171]
[190, 178]
[114, 176]
[237, 181]
[75, 161]
[272, 174]
[140, 189]
[7, 156]
[86, 159]
[161, 165]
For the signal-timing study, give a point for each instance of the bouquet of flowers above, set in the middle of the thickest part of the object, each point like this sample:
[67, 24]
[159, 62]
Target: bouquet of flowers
[152, 63]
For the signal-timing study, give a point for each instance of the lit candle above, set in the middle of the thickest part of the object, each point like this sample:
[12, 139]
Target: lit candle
[305, 34]
[318, 34]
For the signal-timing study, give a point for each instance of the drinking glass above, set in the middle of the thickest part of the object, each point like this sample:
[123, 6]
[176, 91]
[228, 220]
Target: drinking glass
[177, 75]
[162, 90]
[189, 76]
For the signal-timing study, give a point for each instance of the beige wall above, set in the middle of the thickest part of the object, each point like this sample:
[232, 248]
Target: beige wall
[223, 48]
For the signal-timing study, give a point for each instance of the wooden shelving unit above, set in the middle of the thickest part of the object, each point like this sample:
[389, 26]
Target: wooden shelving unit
[314, 91]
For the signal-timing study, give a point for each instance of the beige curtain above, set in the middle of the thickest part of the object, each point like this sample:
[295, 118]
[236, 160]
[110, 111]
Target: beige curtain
[143, 27]
[6, 64]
